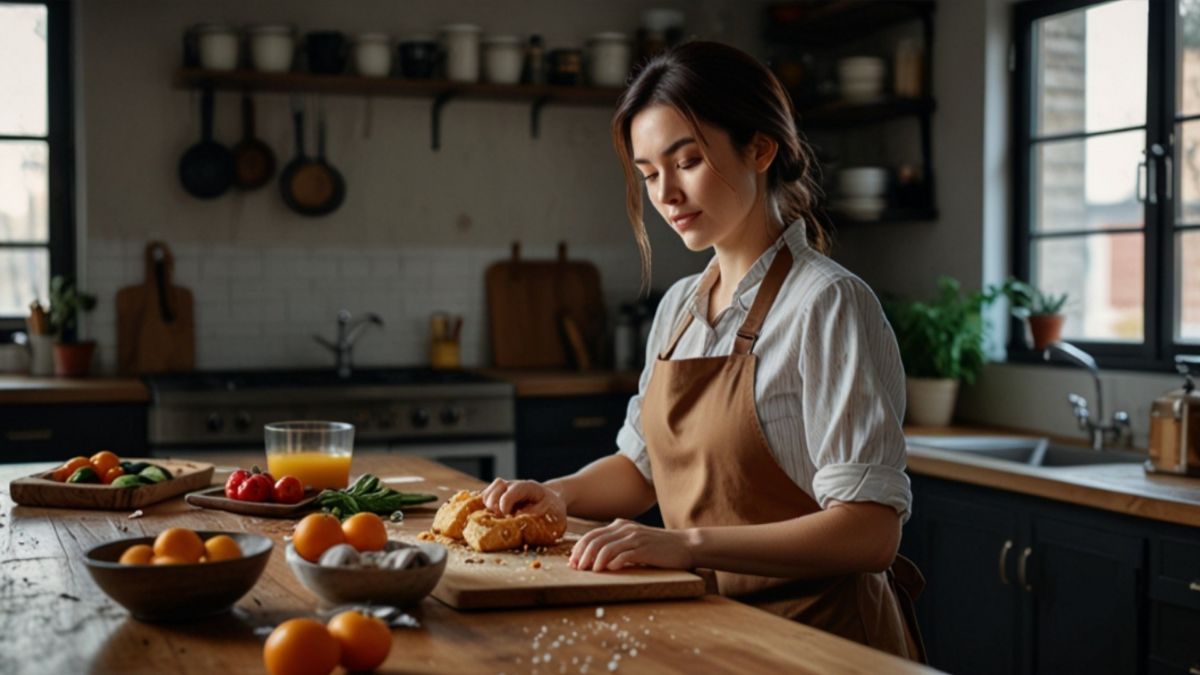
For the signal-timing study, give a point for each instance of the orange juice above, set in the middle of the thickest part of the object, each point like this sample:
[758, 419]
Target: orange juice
[316, 469]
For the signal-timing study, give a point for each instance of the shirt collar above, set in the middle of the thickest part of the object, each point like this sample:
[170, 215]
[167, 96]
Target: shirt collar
[793, 237]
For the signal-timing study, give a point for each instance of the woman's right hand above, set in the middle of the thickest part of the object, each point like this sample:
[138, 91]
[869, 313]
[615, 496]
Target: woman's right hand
[506, 497]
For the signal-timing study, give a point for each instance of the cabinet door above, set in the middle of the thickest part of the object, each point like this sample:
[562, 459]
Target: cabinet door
[1087, 585]
[972, 603]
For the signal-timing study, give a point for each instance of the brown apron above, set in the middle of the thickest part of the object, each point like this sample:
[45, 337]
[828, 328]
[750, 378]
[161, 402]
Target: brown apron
[713, 467]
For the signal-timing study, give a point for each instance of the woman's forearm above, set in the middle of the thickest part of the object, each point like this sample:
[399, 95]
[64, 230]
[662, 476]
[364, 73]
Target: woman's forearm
[846, 537]
[610, 487]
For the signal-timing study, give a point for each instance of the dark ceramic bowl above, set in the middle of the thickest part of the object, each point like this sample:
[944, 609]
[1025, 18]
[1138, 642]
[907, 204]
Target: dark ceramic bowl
[178, 592]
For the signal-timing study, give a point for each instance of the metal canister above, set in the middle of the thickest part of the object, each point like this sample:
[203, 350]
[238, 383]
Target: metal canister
[1175, 425]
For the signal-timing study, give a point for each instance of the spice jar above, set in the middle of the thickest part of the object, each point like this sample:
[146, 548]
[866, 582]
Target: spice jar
[373, 55]
[566, 67]
[218, 46]
[503, 57]
[461, 44]
[535, 61]
[272, 48]
[609, 55]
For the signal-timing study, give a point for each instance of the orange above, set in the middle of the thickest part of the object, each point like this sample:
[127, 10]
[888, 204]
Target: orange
[301, 647]
[112, 474]
[222, 547]
[64, 472]
[315, 534]
[138, 554]
[179, 542]
[103, 461]
[169, 560]
[365, 640]
[365, 532]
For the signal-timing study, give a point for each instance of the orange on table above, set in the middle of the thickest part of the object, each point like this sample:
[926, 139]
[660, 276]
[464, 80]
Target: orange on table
[138, 554]
[179, 542]
[170, 560]
[365, 532]
[64, 472]
[103, 461]
[315, 534]
[301, 647]
[112, 474]
[365, 640]
[221, 547]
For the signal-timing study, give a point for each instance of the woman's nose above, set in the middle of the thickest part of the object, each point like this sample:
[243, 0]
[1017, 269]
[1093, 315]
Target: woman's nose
[668, 191]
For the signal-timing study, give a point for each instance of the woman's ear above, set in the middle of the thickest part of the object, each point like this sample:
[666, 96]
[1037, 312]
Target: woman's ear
[763, 149]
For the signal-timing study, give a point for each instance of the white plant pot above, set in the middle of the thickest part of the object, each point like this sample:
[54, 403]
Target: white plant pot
[931, 401]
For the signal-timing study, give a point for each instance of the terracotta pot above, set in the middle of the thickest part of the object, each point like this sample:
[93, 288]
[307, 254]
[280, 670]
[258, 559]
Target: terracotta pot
[931, 401]
[1045, 329]
[73, 359]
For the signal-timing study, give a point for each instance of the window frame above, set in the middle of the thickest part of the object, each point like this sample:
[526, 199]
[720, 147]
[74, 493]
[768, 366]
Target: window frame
[1159, 347]
[60, 139]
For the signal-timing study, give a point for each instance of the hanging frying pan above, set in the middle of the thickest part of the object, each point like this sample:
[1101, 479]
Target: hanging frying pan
[310, 186]
[253, 161]
[206, 169]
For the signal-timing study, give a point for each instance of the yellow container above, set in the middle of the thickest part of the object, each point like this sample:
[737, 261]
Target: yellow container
[444, 353]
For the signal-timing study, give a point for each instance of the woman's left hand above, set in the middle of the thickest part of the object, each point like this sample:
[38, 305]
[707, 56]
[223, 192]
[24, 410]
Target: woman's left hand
[624, 543]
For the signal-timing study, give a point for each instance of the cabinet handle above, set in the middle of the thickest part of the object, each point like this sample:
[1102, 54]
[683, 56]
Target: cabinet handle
[594, 422]
[1194, 586]
[26, 435]
[1021, 564]
[1008, 544]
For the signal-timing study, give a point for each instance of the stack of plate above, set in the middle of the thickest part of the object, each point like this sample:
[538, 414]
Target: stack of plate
[862, 189]
[861, 78]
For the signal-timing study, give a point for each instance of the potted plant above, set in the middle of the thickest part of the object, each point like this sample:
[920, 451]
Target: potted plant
[72, 358]
[1042, 312]
[941, 344]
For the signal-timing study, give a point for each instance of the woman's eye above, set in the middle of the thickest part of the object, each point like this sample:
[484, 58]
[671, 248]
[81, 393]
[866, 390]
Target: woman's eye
[650, 178]
[689, 163]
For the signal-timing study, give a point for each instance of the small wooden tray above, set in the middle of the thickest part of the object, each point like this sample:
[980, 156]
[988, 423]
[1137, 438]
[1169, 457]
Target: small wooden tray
[215, 498]
[42, 490]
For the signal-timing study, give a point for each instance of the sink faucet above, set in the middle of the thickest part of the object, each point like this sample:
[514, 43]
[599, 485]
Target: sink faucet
[347, 332]
[1102, 435]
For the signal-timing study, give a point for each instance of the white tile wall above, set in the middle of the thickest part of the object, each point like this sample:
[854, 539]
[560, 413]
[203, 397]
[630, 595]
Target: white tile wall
[258, 307]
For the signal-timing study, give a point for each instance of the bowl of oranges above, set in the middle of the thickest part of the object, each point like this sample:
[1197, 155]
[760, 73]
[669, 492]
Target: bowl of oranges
[355, 562]
[180, 574]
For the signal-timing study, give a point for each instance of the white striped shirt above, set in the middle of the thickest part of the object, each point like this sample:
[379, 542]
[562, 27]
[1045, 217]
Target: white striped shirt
[829, 388]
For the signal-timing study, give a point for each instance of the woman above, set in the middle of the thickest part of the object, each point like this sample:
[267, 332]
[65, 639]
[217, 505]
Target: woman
[768, 428]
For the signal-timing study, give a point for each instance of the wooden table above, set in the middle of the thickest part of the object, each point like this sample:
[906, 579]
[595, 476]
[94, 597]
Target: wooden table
[53, 619]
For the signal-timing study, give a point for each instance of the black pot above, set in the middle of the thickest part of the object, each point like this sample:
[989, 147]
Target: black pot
[327, 51]
[418, 59]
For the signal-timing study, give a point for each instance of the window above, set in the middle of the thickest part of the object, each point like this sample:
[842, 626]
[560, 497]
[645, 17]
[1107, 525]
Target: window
[36, 230]
[1107, 171]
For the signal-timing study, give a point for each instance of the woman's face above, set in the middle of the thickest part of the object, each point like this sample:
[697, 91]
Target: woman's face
[705, 204]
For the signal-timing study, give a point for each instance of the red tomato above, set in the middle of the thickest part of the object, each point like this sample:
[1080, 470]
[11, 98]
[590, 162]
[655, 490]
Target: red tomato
[256, 488]
[235, 479]
[288, 490]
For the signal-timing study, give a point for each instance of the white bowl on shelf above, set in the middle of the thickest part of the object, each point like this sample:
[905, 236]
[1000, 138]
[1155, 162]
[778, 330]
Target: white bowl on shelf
[863, 181]
[860, 208]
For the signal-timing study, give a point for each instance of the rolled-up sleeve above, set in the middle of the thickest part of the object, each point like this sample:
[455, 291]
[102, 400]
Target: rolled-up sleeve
[853, 399]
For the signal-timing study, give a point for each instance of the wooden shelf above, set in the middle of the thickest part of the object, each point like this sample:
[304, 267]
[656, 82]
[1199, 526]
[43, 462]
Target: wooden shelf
[440, 91]
[848, 113]
[832, 22]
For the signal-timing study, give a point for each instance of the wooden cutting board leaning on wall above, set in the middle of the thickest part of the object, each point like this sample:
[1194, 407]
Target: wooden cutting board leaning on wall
[155, 320]
[545, 313]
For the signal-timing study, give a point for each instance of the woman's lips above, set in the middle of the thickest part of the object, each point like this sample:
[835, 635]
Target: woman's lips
[684, 222]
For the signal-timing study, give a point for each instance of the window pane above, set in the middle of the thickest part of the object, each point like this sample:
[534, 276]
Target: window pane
[25, 197]
[1187, 183]
[23, 97]
[1102, 275]
[1187, 31]
[1088, 184]
[24, 277]
[1187, 287]
[1092, 68]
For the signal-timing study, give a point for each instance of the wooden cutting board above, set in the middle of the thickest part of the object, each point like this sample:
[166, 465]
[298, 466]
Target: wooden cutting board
[155, 320]
[545, 313]
[41, 490]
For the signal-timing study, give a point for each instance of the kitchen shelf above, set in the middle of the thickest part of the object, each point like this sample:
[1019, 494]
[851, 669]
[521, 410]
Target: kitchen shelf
[832, 22]
[847, 113]
[441, 91]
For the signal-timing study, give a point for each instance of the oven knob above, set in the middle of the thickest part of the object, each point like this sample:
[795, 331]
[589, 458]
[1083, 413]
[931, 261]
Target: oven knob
[214, 423]
[242, 422]
[451, 416]
[420, 418]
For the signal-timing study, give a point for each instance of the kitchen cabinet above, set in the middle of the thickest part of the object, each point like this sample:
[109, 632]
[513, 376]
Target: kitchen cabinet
[54, 432]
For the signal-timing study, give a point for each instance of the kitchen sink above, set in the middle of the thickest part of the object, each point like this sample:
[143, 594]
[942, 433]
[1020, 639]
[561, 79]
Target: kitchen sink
[1025, 450]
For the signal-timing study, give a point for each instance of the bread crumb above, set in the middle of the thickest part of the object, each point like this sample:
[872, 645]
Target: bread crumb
[535, 565]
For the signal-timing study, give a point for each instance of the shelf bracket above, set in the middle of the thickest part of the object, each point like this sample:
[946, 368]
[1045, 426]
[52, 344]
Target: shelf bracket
[535, 115]
[436, 120]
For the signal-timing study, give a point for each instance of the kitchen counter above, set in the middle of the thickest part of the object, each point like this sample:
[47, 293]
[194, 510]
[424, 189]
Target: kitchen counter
[1121, 488]
[26, 389]
[530, 383]
[56, 620]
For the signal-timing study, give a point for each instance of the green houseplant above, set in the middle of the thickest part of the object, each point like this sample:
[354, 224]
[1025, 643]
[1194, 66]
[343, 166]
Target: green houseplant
[941, 344]
[1042, 312]
[72, 358]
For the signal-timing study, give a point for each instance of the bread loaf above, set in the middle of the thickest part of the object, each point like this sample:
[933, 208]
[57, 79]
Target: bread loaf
[464, 517]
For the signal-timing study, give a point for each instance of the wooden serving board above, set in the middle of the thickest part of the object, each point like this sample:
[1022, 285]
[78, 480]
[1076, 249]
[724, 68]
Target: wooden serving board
[214, 498]
[155, 319]
[42, 490]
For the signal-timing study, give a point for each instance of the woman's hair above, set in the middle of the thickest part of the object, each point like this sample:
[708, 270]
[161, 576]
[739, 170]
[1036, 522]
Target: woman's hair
[727, 88]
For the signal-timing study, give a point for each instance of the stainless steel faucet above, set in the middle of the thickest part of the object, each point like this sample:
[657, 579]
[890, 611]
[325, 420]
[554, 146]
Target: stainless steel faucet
[1102, 435]
[347, 332]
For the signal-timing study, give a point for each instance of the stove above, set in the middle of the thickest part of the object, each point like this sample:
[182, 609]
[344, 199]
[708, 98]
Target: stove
[461, 418]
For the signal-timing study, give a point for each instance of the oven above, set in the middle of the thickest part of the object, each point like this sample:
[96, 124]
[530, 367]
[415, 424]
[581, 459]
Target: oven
[463, 420]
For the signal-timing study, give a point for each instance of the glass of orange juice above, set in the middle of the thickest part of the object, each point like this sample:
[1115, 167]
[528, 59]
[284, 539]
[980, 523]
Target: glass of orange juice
[318, 453]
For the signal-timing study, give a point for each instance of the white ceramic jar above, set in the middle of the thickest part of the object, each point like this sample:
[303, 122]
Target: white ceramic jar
[218, 46]
[272, 47]
[373, 55]
[503, 58]
[461, 44]
[609, 55]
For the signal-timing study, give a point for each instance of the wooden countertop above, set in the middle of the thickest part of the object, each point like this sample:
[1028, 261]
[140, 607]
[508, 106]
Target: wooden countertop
[56, 620]
[566, 382]
[1121, 488]
[27, 389]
